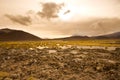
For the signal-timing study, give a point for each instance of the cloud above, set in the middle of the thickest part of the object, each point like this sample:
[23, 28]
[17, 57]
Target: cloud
[68, 11]
[23, 20]
[91, 28]
[50, 10]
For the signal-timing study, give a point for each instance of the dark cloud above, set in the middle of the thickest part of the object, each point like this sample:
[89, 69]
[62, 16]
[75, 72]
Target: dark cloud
[50, 10]
[23, 20]
[68, 11]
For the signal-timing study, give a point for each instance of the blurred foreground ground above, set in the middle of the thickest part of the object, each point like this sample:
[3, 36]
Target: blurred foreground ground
[61, 62]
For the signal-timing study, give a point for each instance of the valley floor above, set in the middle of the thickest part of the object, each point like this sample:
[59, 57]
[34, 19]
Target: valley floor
[58, 63]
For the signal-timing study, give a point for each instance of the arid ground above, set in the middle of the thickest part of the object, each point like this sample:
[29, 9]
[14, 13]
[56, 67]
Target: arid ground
[60, 60]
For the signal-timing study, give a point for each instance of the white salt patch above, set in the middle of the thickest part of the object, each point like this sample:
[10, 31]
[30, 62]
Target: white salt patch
[52, 51]
[111, 61]
[74, 52]
[80, 56]
[111, 48]
[107, 60]
[41, 47]
[63, 47]
[58, 44]
[77, 59]
[97, 47]
[69, 46]
[83, 47]
[31, 49]
[104, 54]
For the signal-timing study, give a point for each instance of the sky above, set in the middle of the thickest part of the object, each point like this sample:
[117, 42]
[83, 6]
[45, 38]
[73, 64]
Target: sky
[61, 18]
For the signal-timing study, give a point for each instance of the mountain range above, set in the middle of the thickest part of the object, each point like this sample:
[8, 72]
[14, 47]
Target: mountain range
[19, 35]
[16, 35]
[115, 35]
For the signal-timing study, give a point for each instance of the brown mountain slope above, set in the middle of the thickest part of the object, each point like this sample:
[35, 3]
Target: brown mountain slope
[16, 35]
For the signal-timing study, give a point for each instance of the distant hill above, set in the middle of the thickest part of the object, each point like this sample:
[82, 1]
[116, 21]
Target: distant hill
[19, 35]
[16, 35]
[115, 35]
[74, 38]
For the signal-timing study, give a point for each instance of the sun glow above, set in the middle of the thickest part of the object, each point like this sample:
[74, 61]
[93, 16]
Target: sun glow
[67, 13]
[84, 10]
[75, 11]
[64, 17]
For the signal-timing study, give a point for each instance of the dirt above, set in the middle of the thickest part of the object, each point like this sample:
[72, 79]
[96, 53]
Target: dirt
[59, 64]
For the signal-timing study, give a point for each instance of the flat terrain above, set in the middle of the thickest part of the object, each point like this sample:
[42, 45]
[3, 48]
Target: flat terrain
[60, 60]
